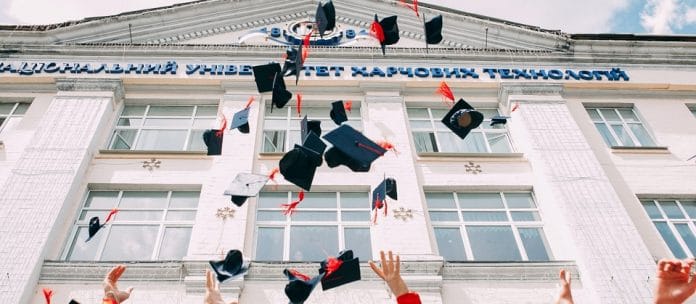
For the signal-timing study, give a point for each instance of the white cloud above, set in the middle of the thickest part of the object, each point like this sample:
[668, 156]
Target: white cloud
[666, 16]
[690, 16]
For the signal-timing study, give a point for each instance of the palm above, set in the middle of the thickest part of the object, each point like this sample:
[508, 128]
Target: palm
[110, 287]
[673, 281]
[212, 290]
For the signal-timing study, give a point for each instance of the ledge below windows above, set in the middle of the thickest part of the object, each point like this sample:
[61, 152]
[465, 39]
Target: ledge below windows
[271, 155]
[430, 156]
[160, 154]
[639, 150]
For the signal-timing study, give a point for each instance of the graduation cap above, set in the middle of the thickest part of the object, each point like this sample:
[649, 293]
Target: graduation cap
[499, 119]
[379, 196]
[325, 17]
[462, 118]
[299, 165]
[244, 186]
[306, 126]
[433, 30]
[300, 286]
[240, 121]
[338, 112]
[289, 64]
[386, 31]
[339, 271]
[351, 148]
[232, 266]
[213, 140]
[264, 76]
[94, 224]
[315, 144]
[73, 302]
[281, 95]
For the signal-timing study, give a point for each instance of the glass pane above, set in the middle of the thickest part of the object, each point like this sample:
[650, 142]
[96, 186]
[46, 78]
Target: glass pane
[606, 135]
[181, 215]
[439, 113]
[161, 140]
[196, 142]
[642, 135]
[174, 243]
[421, 125]
[652, 210]
[318, 200]
[275, 216]
[184, 199]
[170, 111]
[534, 244]
[84, 251]
[130, 122]
[690, 208]
[206, 111]
[133, 111]
[450, 244]
[294, 138]
[354, 200]
[123, 139]
[6, 108]
[671, 209]
[358, 240]
[440, 200]
[87, 215]
[687, 236]
[130, 243]
[356, 124]
[623, 136]
[628, 115]
[273, 141]
[21, 109]
[275, 112]
[417, 113]
[144, 199]
[444, 216]
[276, 124]
[493, 243]
[269, 244]
[101, 199]
[124, 215]
[2, 120]
[168, 122]
[425, 142]
[487, 114]
[451, 143]
[519, 200]
[480, 201]
[311, 112]
[499, 142]
[272, 199]
[594, 115]
[302, 215]
[312, 243]
[525, 216]
[484, 216]
[207, 123]
[610, 115]
[475, 143]
[671, 241]
[355, 216]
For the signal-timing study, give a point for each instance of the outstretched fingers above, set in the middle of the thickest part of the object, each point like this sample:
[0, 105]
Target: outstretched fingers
[398, 265]
[376, 269]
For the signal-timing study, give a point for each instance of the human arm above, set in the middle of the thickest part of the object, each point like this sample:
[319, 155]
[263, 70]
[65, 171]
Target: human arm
[675, 284]
[112, 294]
[390, 273]
[564, 295]
[212, 290]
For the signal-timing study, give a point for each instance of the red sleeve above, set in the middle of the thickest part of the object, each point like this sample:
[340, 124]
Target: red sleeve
[409, 298]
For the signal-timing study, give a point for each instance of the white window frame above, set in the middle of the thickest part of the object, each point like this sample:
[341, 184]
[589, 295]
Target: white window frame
[461, 224]
[13, 113]
[288, 222]
[671, 222]
[189, 128]
[436, 126]
[624, 124]
[162, 224]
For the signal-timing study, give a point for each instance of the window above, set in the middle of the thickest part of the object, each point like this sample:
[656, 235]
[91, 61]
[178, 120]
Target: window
[281, 122]
[168, 128]
[487, 226]
[693, 111]
[620, 127]
[675, 221]
[431, 135]
[324, 224]
[11, 114]
[150, 225]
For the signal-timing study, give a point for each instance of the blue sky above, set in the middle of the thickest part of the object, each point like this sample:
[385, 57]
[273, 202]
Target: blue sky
[572, 16]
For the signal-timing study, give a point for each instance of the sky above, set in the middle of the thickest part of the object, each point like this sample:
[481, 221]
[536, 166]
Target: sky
[571, 16]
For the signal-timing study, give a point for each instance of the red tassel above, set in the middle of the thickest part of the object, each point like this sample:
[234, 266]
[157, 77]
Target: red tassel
[220, 132]
[377, 31]
[305, 46]
[348, 105]
[413, 7]
[514, 108]
[48, 293]
[290, 208]
[300, 275]
[273, 174]
[248, 104]
[386, 145]
[332, 264]
[379, 203]
[299, 104]
[445, 91]
[112, 213]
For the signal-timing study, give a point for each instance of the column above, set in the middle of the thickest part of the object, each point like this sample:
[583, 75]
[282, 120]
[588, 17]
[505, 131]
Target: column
[40, 187]
[613, 261]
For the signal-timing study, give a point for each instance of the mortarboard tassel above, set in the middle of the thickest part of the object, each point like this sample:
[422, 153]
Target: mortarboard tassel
[348, 105]
[220, 132]
[248, 104]
[413, 7]
[273, 174]
[290, 208]
[111, 213]
[48, 293]
[299, 104]
[377, 31]
[332, 264]
[305, 46]
[514, 108]
[445, 91]
[299, 275]
[386, 145]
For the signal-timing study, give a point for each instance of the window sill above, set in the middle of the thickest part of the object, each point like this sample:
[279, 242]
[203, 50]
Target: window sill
[508, 271]
[271, 155]
[639, 150]
[484, 156]
[110, 154]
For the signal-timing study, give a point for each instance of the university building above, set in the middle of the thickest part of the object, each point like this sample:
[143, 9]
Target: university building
[593, 172]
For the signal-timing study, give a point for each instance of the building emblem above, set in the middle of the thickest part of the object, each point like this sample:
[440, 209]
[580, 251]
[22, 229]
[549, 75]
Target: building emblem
[296, 32]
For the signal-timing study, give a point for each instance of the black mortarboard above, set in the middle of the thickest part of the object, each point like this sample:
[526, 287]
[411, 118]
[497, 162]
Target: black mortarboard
[462, 118]
[325, 17]
[299, 165]
[498, 119]
[338, 112]
[315, 144]
[386, 188]
[351, 148]
[213, 141]
[346, 269]
[232, 266]
[264, 76]
[433, 30]
[391, 31]
[73, 302]
[307, 126]
[289, 64]
[240, 120]
[298, 290]
[245, 185]
[281, 95]
[94, 227]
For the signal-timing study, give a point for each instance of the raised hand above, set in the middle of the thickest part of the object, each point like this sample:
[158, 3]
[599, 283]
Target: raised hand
[390, 273]
[111, 290]
[674, 282]
[212, 289]
[564, 295]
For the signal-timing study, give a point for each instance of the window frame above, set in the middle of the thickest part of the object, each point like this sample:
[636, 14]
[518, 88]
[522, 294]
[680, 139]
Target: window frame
[515, 226]
[608, 125]
[13, 113]
[691, 222]
[289, 222]
[162, 224]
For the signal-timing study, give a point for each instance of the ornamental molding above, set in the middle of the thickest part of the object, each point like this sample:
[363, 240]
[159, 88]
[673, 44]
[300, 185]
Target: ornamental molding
[508, 89]
[92, 85]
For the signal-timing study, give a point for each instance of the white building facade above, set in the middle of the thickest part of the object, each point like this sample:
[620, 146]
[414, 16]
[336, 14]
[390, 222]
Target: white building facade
[592, 172]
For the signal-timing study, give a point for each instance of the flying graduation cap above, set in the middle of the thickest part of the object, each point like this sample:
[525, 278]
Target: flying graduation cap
[299, 165]
[325, 17]
[386, 31]
[232, 266]
[300, 286]
[462, 118]
[240, 121]
[265, 75]
[339, 270]
[94, 224]
[281, 96]
[245, 185]
[307, 126]
[387, 188]
[433, 30]
[498, 120]
[338, 111]
[352, 149]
